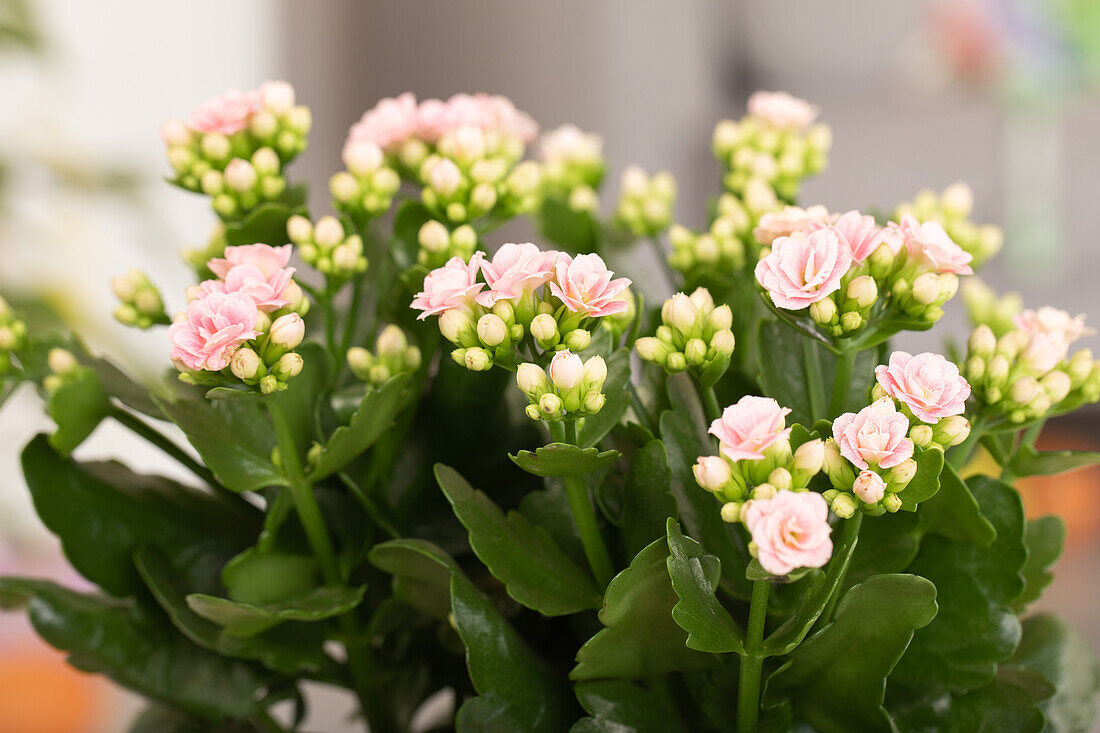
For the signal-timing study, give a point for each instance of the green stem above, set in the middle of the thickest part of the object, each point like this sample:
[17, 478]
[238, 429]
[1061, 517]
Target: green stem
[848, 535]
[845, 363]
[811, 368]
[710, 401]
[640, 409]
[584, 515]
[960, 454]
[151, 434]
[353, 315]
[752, 663]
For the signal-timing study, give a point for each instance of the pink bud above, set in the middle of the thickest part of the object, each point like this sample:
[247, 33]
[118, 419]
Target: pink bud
[566, 370]
[287, 331]
[869, 487]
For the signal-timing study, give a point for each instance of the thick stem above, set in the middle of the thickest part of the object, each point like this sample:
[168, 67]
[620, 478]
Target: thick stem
[710, 401]
[811, 369]
[584, 515]
[752, 663]
[845, 363]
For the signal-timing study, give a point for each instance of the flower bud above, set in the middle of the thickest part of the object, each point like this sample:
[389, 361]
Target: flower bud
[444, 176]
[903, 473]
[577, 340]
[433, 236]
[712, 472]
[957, 200]
[391, 341]
[492, 330]
[1024, 390]
[62, 362]
[266, 162]
[921, 435]
[593, 402]
[299, 229]
[997, 371]
[810, 456]
[531, 379]
[566, 370]
[891, 503]
[550, 406]
[676, 362]
[595, 372]
[652, 349]
[823, 312]
[723, 342]
[982, 341]
[721, 318]
[544, 328]
[952, 430]
[926, 288]
[863, 291]
[850, 321]
[731, 512]
[1057, 385]
[240, 175]
[246, 364]
[329, 232]
[478, 359]
[269, 384]
[764, 491]
[780, 478]
[457, 327]
[215, 146]
[679, 312]
[363, 157]
[695, 352]
[288, 366]
[359, 360]
[869, 487]
[840, 472]
[844, 506]
[287, 331]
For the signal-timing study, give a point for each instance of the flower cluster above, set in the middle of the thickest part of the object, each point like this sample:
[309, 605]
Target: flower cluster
[437, 244]
[694, 333]
[365, 190]
[13, 334]
[567, 389]
[485, 320]
[645, 202]
[1028, 372]
[572, 162]
[325, 247]
[722, 249]
[141, 304]
[985, 307]
[245, 323]
[776, 144]
[393, 354]
[235, 146]
[952, 209]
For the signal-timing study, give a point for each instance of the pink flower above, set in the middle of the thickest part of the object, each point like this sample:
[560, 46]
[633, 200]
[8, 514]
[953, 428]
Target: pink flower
[782, 110]
[277, 96]
[227, 113]
[929, 244]
[875, 435]
[790, 530]
[747, 428]
[515, 270]
[454, 285]
[566, 370]
[569, 143]
[257, 270]
[1050, 333]
[486, 112]
[389, 123]
[928, 383]
[584, 284]
[860, 233]
[432, 120]
[790, 220]
[804, 268]
[212, 328]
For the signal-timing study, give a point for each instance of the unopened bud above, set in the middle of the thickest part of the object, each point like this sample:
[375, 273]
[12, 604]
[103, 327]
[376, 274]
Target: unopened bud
[810, 456]
[289, 366]
[593, 402]
[780, 478]
[723, 342]
[566, 370]
[712, 472]
[433, 236]
[721, 318]
[844, 506]
[287, 331]
[531, 379]
[869, 487]
[391, 341]
[578, 339]
[550, 406]
[764, 491]
[952, 430]
[329, 232]
[245, 364]
[457, 327]
[695, 351]
[851, 321]
[1024, 389]
[363, 157]
[595, 372]
[982, 341]
[478, 359]
[269, 384]
[903, 473]
[957, 200]
[921, 435]
[863, 291]
[731, 512]
[492, 330]
[62, 362]
[1057, 385]
[823, 312]
[926, 288]
[240, 175]
[679, 312]
[891, 503]
[544, 328]
[652, 349]
[359, 360]
[676, 362]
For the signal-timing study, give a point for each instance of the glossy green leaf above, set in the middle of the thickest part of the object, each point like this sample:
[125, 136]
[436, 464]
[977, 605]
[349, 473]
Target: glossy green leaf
[1044, 538]
[263, 576]
[564, 459]
[954, 512]
[549, 509]
[121, 386]
[234, 438]
[128, 645]
[267, 222]
[618, 706]
[641, 639]
[595, 427]
[926, 482]
[421, 573]
[1065, 659]
[573, 231]
[517, 689]
[647, 501]
[77, 406]
[247, 619]
[975, 629]
[715, 370]
[299, 400]
[161, 719]
[102, 512]
[694, 576]
[236, 393]
[373, 418]
[887, 544]
[836, 680]
[1030, 462]
[521, 555]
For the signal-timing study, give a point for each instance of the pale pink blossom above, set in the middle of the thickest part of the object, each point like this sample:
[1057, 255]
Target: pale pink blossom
[876, 435]
[257, 270]
[515, 270]
[389, 123]
[930, 245]
[804, 268]
[226, 113]
[790, 530]
[782, 110]
[789, 220]
[436, 118]
[569, 143]
[454, 285]
[1050, 333]
[859, 232]
[584, 284]
[277, 96]
[566, 370]
[748, 427]
[928, 383]
[212, 328]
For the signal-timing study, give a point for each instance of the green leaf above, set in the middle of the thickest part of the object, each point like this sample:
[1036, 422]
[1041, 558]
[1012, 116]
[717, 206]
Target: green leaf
[1030, 462]
[77, 406]
[267, 222]
[1009, 703]
[234, 438]
[120, 385]
[618, 706]
[595, 427]
[373, 418]
[975, 629]
[837, 679]
[573, 231]
[421, 573]
[686, 440]
[887, 544]
[247, 619]
[549, 509]
[564, 459]
[926, 482]
[1065, 659]
[647, 501]
[694, 575]
[103, 512]
[234, 393]
[1044, 538]
[641, 639]
[262, 576]
[954, 513]
[715, 371]
[518, 690]
[160, 719]
[123, 642]
[299, 401]
[521, 555]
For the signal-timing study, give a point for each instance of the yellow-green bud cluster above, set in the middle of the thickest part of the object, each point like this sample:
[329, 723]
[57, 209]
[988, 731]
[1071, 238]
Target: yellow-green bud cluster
[482, 335]
[568, 389]
[141, 304]
[244, 183]
[735, 482]
[873, 491]
[393, 354]
[985, 307]
[645, 202]
[693, 333]
[366, 189]
[439, 244]
[752, 150]
[1008, 380]
[270, 361]
[13, 335]
[952, 209]
[325, 247]
[847, 311]
[571, 160]
[920, 294]
[63, 368]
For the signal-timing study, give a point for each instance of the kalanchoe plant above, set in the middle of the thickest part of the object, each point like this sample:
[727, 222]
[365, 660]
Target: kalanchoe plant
[770, 521]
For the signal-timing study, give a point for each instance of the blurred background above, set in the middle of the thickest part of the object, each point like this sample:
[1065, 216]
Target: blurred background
[1001, 94]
